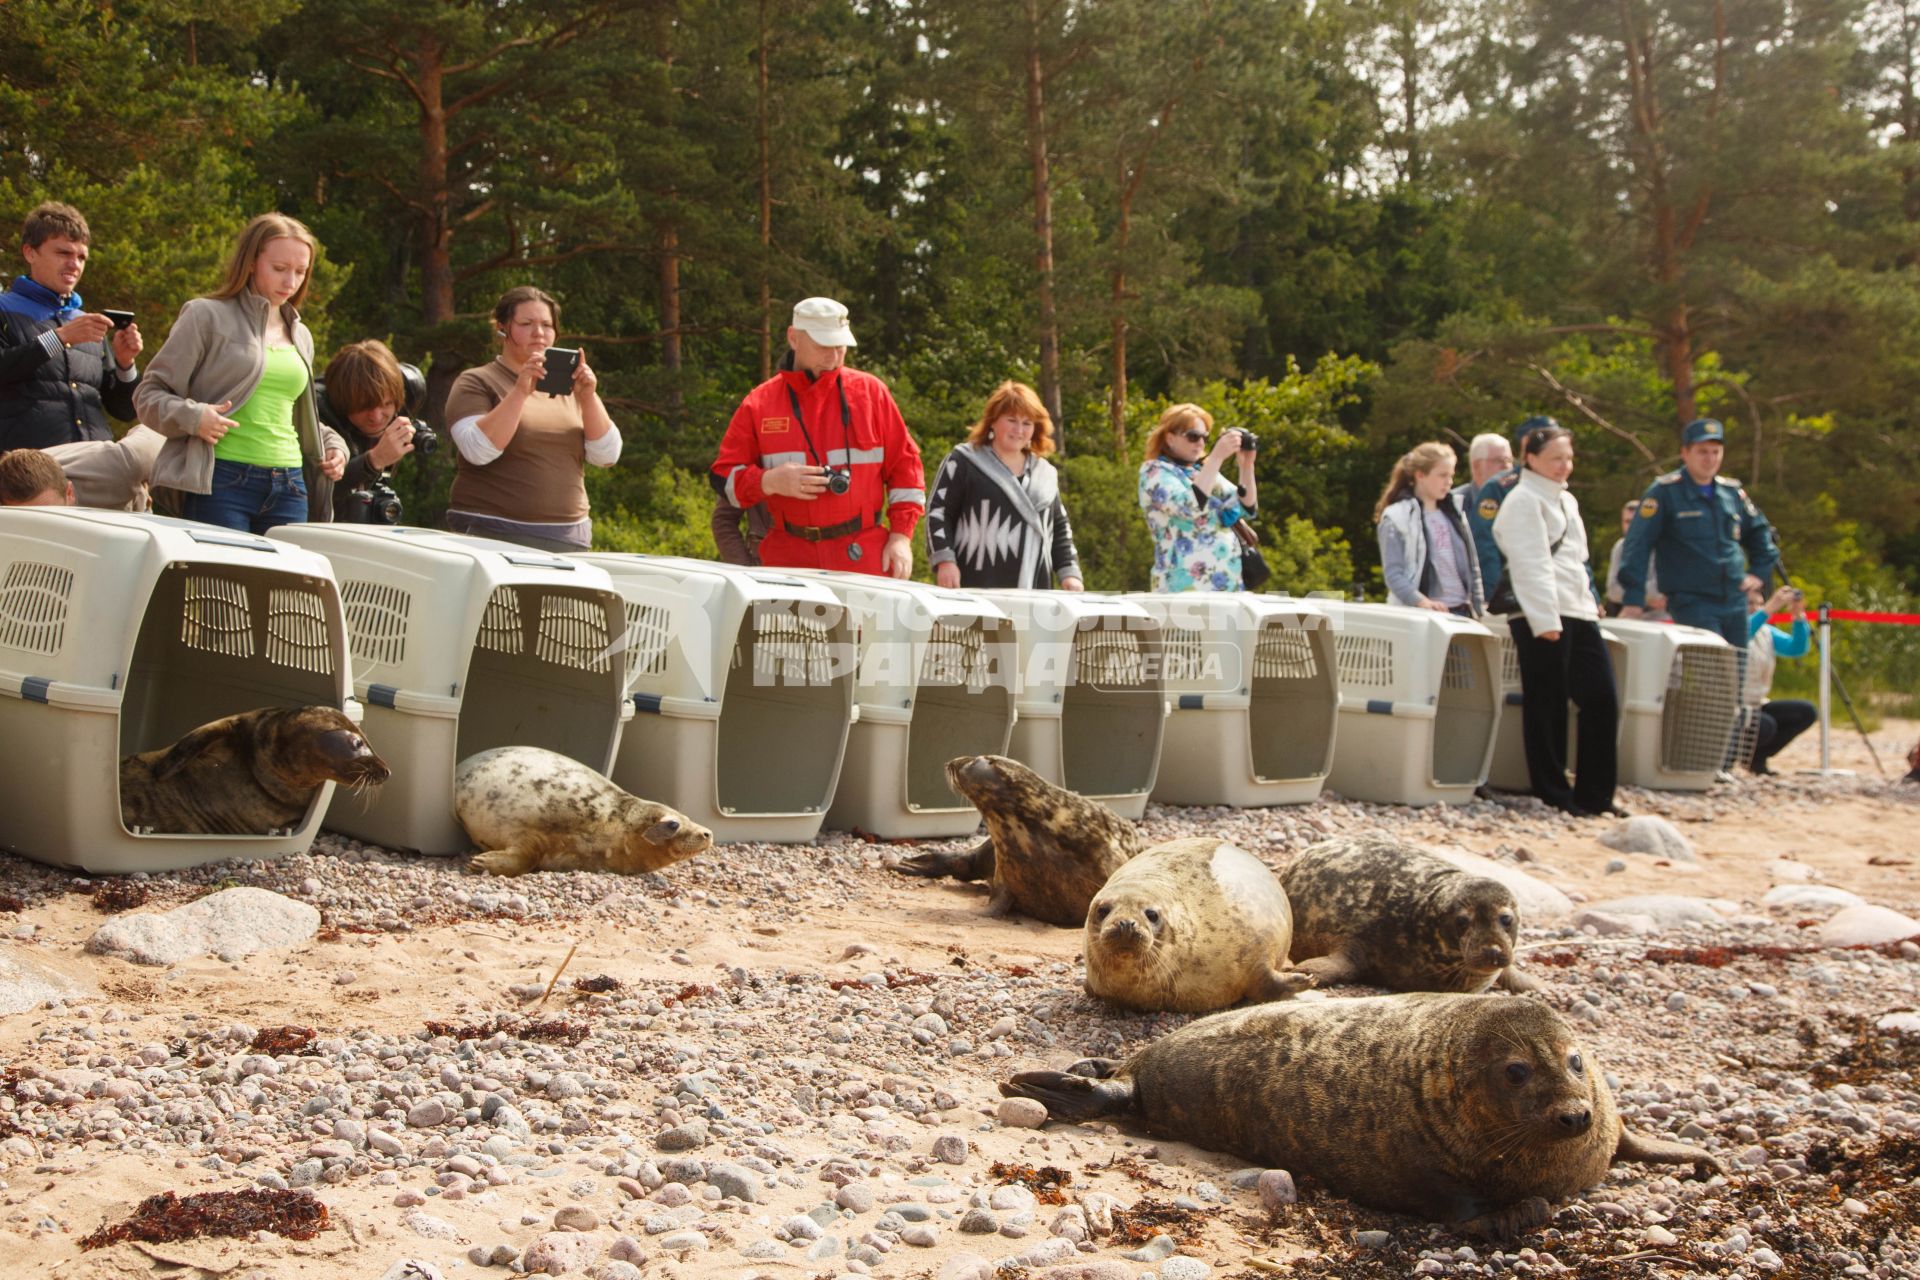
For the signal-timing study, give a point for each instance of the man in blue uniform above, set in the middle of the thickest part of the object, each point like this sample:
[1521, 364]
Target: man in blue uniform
[1486, 505]
[1712, 543]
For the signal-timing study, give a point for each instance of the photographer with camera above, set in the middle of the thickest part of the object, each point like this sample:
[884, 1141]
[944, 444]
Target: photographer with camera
[368, 396]
[1196, 515]
[1782, 720]
[825, 447]
[525, 427]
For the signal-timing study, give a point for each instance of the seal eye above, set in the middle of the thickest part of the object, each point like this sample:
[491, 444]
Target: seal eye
[1506, 920]
[1152, 914]
[1574, 1064]
[1518, 1073]
[1102, 911]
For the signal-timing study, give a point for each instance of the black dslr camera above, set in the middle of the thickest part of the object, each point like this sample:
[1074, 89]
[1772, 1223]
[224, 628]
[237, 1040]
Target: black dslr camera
[1249, 442]
[839, 479]
[380, 503]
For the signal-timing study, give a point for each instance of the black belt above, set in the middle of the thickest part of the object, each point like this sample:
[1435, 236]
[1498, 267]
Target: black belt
[826, 533]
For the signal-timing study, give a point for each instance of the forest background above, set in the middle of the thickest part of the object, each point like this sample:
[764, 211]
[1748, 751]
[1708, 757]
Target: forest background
[1349, 227]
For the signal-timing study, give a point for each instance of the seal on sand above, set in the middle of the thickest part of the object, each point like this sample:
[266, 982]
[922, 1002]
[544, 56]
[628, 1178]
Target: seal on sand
[1368, 909]
[530, 809]
[1047, 851]
[1475, 1110]
[1192, 926]
[251, 774]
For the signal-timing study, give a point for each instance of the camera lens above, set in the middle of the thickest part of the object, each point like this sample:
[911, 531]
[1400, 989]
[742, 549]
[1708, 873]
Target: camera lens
[838, 481]
[425, 441]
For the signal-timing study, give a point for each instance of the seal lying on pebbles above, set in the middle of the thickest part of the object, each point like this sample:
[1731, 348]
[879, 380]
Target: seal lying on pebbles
[250, 774]
[529, 809]
[1368, 909]
[1479, 1111]
[1047, 851]
[1192, 926]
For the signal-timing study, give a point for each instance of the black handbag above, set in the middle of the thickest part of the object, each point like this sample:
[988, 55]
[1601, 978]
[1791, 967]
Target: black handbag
[1503, 600]
[1254, 570]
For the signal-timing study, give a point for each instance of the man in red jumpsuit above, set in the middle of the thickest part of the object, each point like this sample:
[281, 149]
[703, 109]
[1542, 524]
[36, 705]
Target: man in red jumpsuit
[825, 448]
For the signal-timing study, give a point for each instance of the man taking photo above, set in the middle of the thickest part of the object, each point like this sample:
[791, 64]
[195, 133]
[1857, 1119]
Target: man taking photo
[826, 449]
[60, 373]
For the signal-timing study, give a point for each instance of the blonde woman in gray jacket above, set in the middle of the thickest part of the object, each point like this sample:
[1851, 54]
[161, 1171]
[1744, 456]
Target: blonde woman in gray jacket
[232, 390]
[1556, 634]
[1426, 553]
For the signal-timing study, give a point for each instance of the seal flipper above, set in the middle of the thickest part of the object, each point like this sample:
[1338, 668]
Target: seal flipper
[1280, 984]
[1635, 1146]
[1095, 1068]
[1517, 982]
[503, 862]
[973, 864]
[1504, 1224]
[1331, 970]
[1071, 1097]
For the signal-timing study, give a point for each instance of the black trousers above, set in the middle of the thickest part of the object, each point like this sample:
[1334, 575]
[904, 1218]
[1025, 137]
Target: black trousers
[1780, 723]
[1575, 668]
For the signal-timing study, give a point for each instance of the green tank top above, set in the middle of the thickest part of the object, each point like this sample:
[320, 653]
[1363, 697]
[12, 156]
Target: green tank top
[266, 436]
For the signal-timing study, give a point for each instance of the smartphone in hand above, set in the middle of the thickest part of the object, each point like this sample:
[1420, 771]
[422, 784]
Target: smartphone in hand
[121, 319]
[558, 379]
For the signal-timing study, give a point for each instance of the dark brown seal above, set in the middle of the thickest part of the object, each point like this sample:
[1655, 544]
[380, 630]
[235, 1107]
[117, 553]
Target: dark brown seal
[251, 774]
[529, 809]
[1372, 910]
[1191, 926]
[1479, 1111]
[1048, 850]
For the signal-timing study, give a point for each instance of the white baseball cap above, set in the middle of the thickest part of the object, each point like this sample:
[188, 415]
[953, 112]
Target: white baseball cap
[823, 320]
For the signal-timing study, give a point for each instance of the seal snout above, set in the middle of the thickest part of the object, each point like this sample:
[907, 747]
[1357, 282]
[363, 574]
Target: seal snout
[1493, 956]
[1573, 1121]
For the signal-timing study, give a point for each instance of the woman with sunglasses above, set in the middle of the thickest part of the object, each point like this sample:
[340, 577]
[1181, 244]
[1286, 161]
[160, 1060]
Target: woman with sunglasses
[1190, 508]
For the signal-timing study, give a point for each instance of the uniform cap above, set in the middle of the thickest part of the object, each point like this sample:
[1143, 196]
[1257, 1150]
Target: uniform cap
[823, 320]
[1538, 422]
[1701, 429]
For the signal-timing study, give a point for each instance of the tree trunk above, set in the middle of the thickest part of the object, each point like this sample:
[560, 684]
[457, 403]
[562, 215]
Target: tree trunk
[1043, 229]
[436, 223]
[1117, 394]
[766, 206]
[670, 316]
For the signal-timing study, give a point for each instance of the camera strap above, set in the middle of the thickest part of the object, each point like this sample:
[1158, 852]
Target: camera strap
[846, 422]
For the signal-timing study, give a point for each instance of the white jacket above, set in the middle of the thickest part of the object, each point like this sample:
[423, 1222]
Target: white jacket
[1549, 584]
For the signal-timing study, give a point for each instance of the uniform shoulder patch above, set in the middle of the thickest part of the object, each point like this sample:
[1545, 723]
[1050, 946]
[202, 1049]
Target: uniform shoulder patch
[1489, 508]
[1672, 477]
[1508, 479]
[1649, 505]
[1729, 481]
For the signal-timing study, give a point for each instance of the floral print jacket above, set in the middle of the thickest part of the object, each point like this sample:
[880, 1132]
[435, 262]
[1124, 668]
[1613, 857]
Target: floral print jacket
[1193, 544]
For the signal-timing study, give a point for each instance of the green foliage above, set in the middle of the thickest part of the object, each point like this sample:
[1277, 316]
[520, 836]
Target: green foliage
[660, 510]
[1102, 498]
[1305, 559]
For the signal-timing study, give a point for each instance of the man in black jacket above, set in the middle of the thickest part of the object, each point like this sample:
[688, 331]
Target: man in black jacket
[60, 375]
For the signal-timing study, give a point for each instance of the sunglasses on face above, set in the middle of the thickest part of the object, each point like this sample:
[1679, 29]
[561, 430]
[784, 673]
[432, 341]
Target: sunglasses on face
[1195, 436]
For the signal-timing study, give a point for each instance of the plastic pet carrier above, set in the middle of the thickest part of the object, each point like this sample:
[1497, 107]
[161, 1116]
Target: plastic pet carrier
[460, 645]
[1255, 698]
[1679, 703]
[119, 633]
[1420, 703]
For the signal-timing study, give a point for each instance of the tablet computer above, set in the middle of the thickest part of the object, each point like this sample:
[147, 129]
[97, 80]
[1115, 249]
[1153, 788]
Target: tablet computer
[558, 379]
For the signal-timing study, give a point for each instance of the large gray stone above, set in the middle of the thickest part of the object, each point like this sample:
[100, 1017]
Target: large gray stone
[230, 924]
[1867, 925]
[1667, 910]
[25, 983]
[1539, 901]
[1649, 834]
[1810, 897]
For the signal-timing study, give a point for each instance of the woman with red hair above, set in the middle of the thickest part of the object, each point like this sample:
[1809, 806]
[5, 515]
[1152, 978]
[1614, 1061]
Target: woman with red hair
[995, 518]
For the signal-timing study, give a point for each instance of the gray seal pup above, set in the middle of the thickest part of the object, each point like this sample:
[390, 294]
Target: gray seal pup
[251, 774]
[1048, 850]
[1372, 910]
[1190, 926]
[529, 809]
[1480, 1111]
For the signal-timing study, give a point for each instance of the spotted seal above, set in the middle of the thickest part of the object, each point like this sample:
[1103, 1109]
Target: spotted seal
[1480, 1111]
[1373, 910]
[251, 774]
[1192, 926]
[529, 809]
[1048, 850]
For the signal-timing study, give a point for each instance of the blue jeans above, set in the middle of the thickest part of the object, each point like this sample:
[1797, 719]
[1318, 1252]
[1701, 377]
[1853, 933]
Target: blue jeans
[249, 498]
